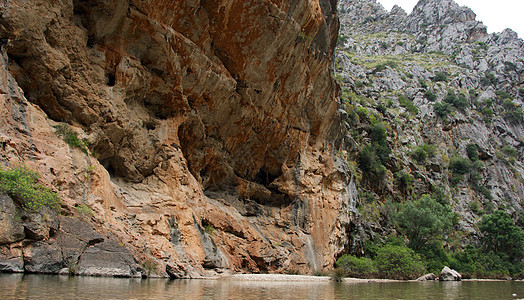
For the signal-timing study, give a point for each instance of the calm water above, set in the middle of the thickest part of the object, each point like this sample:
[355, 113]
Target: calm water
[63, 287]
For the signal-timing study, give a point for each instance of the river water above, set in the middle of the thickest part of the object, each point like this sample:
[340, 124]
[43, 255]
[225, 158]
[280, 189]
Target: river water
[18, 286]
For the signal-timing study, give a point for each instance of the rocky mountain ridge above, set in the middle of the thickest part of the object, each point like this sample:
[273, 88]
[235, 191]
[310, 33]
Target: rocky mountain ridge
[444, 92]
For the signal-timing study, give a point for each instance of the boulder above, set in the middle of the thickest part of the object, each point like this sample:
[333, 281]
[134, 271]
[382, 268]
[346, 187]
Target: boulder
[427, 277]
[175, 271]
[448, 274]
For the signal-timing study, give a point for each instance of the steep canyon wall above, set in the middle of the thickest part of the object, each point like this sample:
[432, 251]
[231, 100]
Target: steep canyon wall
[211, 127]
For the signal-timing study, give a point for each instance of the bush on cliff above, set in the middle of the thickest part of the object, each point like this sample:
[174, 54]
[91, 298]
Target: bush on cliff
[22, 185]
[442, 109]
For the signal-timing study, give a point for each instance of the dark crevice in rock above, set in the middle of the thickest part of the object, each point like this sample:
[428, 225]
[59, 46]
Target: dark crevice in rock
[111, 79]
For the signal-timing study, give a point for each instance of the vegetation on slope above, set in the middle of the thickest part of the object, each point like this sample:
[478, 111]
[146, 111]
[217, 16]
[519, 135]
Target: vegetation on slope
[435, 148]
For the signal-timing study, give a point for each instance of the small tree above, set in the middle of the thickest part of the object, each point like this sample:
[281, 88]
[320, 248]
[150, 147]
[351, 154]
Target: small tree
[500, 235]
[424, 221]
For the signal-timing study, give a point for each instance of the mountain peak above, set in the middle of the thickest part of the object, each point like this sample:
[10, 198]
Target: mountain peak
[438, 12]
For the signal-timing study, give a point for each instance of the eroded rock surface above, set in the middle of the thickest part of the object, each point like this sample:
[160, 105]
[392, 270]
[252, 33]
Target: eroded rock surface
[211, 125]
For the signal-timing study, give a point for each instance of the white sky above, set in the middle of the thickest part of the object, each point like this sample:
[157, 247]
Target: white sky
[497, 15]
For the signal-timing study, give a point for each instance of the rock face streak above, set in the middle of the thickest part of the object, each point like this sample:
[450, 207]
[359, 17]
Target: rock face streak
[211, 124]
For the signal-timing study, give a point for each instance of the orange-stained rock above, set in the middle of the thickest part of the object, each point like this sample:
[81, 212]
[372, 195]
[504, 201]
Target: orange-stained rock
[212, 126]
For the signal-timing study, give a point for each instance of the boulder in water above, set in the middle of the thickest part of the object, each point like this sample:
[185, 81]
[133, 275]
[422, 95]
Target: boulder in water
[448, 274]
[427, 277]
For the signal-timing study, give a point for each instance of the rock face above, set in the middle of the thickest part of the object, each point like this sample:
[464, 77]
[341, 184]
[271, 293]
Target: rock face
[211, 124]
[75, 249]
[448, 274]
[445, 91]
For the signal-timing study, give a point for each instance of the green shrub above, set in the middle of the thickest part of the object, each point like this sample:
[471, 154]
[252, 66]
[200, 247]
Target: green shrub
[22, 185]
[434, 256]
[489, 79]
[440, 76]
[150, 266]
[487, 113]
[398, 262]
[456, 179]
[405, 181]
[512, 112]
[71, 137]
[459, 102]
[502, 95]
[419, 154]
[382, 66]
[369, 162]
[381, 108]
[440, 196]
[341, 40]
[407, 104]
[482, 45]
[478, 263]
[484, 191]
[337, 275]
[362, 112]
[459, 165]
[442, 109]
[84, 210]
[378, 133]
[430, 96]
[474, 206]
[472, 151]
[356, 267]
[509, 151]
[345, 95]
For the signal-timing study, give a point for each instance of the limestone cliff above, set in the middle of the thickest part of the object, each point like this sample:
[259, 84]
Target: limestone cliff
[445, 92]
[211, 127]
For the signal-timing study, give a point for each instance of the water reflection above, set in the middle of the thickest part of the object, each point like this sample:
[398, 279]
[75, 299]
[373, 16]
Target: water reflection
[63, 287]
